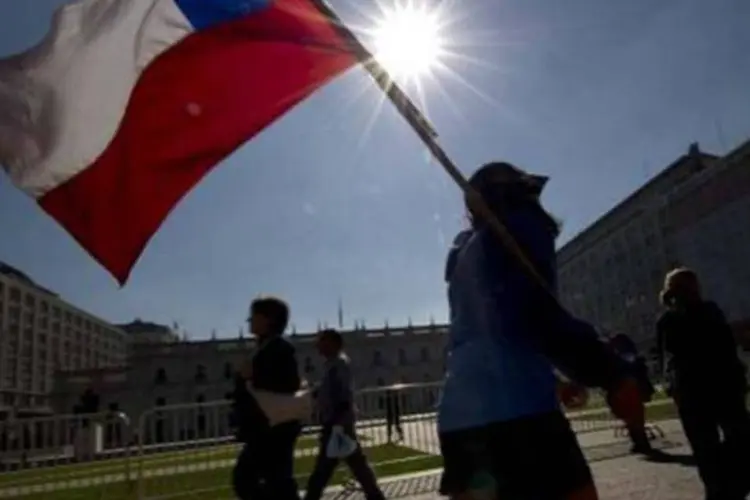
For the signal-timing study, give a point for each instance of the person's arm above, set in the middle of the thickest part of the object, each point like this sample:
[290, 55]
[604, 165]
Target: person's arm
[571, 344]
[722, 334]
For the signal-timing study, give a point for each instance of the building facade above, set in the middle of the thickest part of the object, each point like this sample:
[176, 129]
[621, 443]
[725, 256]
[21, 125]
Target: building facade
[145, 332]
[194, 372]
[40, 334]
[691, 214]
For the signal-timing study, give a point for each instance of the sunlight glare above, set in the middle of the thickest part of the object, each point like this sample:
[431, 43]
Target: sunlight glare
[408, 42]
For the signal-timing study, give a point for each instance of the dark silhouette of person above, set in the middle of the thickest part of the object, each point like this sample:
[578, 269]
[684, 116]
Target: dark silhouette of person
[393, 415]
[335, 399]
[502, 431]
[709, 385]
[624, 347]
[265, 466]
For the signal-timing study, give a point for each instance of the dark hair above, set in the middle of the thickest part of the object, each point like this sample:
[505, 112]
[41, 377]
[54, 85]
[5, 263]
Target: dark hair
[273, 308]
[334, 336]
[505, 187]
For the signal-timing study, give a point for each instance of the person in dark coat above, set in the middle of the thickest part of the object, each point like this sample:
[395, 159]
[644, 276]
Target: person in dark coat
[709, 384]
[393, 414]
[336, 405]
[265, 465]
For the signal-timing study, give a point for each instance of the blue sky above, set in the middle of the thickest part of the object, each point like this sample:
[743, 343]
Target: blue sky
[329, 203]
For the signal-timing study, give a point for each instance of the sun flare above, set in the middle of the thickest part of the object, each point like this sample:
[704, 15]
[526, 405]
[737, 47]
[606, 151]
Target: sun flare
[408, 42]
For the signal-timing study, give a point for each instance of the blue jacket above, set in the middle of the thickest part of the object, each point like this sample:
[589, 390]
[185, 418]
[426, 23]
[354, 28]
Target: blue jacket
[507, 333]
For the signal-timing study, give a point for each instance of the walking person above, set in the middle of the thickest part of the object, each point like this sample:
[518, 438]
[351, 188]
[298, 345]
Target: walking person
[624, 347]
[502, 431]
[709, 385]
[393, 414]
[265, 465]
[336, 409]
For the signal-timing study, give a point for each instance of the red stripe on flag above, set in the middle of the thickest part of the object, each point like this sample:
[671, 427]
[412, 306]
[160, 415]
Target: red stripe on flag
[193, 106]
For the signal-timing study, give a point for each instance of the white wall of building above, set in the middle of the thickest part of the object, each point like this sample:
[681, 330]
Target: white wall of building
[41, 333]
[190, 372]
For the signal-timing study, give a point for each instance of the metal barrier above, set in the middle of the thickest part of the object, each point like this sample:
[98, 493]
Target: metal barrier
[191, 448]
[65, 456]
[188, 451]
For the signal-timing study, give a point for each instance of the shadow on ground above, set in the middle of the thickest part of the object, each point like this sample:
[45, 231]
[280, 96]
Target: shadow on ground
[429, 482]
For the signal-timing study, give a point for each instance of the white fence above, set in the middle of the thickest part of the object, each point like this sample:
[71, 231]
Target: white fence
[188, 451]
[40, 457]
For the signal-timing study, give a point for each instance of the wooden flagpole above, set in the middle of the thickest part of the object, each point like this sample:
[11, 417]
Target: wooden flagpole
[429, 136]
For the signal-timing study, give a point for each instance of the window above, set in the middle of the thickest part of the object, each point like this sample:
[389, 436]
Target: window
[424, 354]
[200, 398]
[228, 372]
[377, 358]
[380, 382]
[161, 402]
[402, 358]
[161, 376]
[200, 374]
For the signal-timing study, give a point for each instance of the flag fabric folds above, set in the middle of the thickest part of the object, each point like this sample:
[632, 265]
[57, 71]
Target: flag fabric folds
[127, 104]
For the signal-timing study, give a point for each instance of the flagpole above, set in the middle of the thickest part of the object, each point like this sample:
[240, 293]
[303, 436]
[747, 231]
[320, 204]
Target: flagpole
[429, 136]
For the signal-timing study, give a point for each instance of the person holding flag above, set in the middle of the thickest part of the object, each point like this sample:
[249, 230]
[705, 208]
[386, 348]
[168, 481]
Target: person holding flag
[502, 431]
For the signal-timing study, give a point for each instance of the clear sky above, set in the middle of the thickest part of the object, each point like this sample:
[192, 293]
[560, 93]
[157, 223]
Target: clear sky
[338, 199]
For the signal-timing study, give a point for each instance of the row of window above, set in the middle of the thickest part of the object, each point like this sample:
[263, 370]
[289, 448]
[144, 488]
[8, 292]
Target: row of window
[201, 375]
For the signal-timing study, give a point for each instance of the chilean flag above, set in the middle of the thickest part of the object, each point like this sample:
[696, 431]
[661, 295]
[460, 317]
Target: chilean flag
[127, 104]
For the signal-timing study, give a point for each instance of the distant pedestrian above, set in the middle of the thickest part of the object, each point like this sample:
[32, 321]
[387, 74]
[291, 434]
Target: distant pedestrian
[709, 385]
[502, 431]
[336, 408]
[265, 466]
[393, 414]
[628, 351]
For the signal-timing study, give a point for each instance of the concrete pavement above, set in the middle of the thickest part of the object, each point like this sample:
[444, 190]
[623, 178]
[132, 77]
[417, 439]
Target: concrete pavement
[618, 475]
[601, 447]
[623, 478]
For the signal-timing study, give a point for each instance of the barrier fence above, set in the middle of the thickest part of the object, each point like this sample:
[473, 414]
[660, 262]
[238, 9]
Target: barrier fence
[41, 457]
[188, 451]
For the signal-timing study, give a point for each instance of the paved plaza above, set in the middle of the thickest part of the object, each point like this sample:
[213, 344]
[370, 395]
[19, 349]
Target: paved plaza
[619, 475]
[625, 478]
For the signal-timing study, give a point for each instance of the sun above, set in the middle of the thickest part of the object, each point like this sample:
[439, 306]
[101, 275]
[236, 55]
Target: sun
[408, 42]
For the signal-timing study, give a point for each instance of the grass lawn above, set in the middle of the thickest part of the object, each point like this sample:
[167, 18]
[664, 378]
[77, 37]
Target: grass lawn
[72, 472]
[212, 479]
